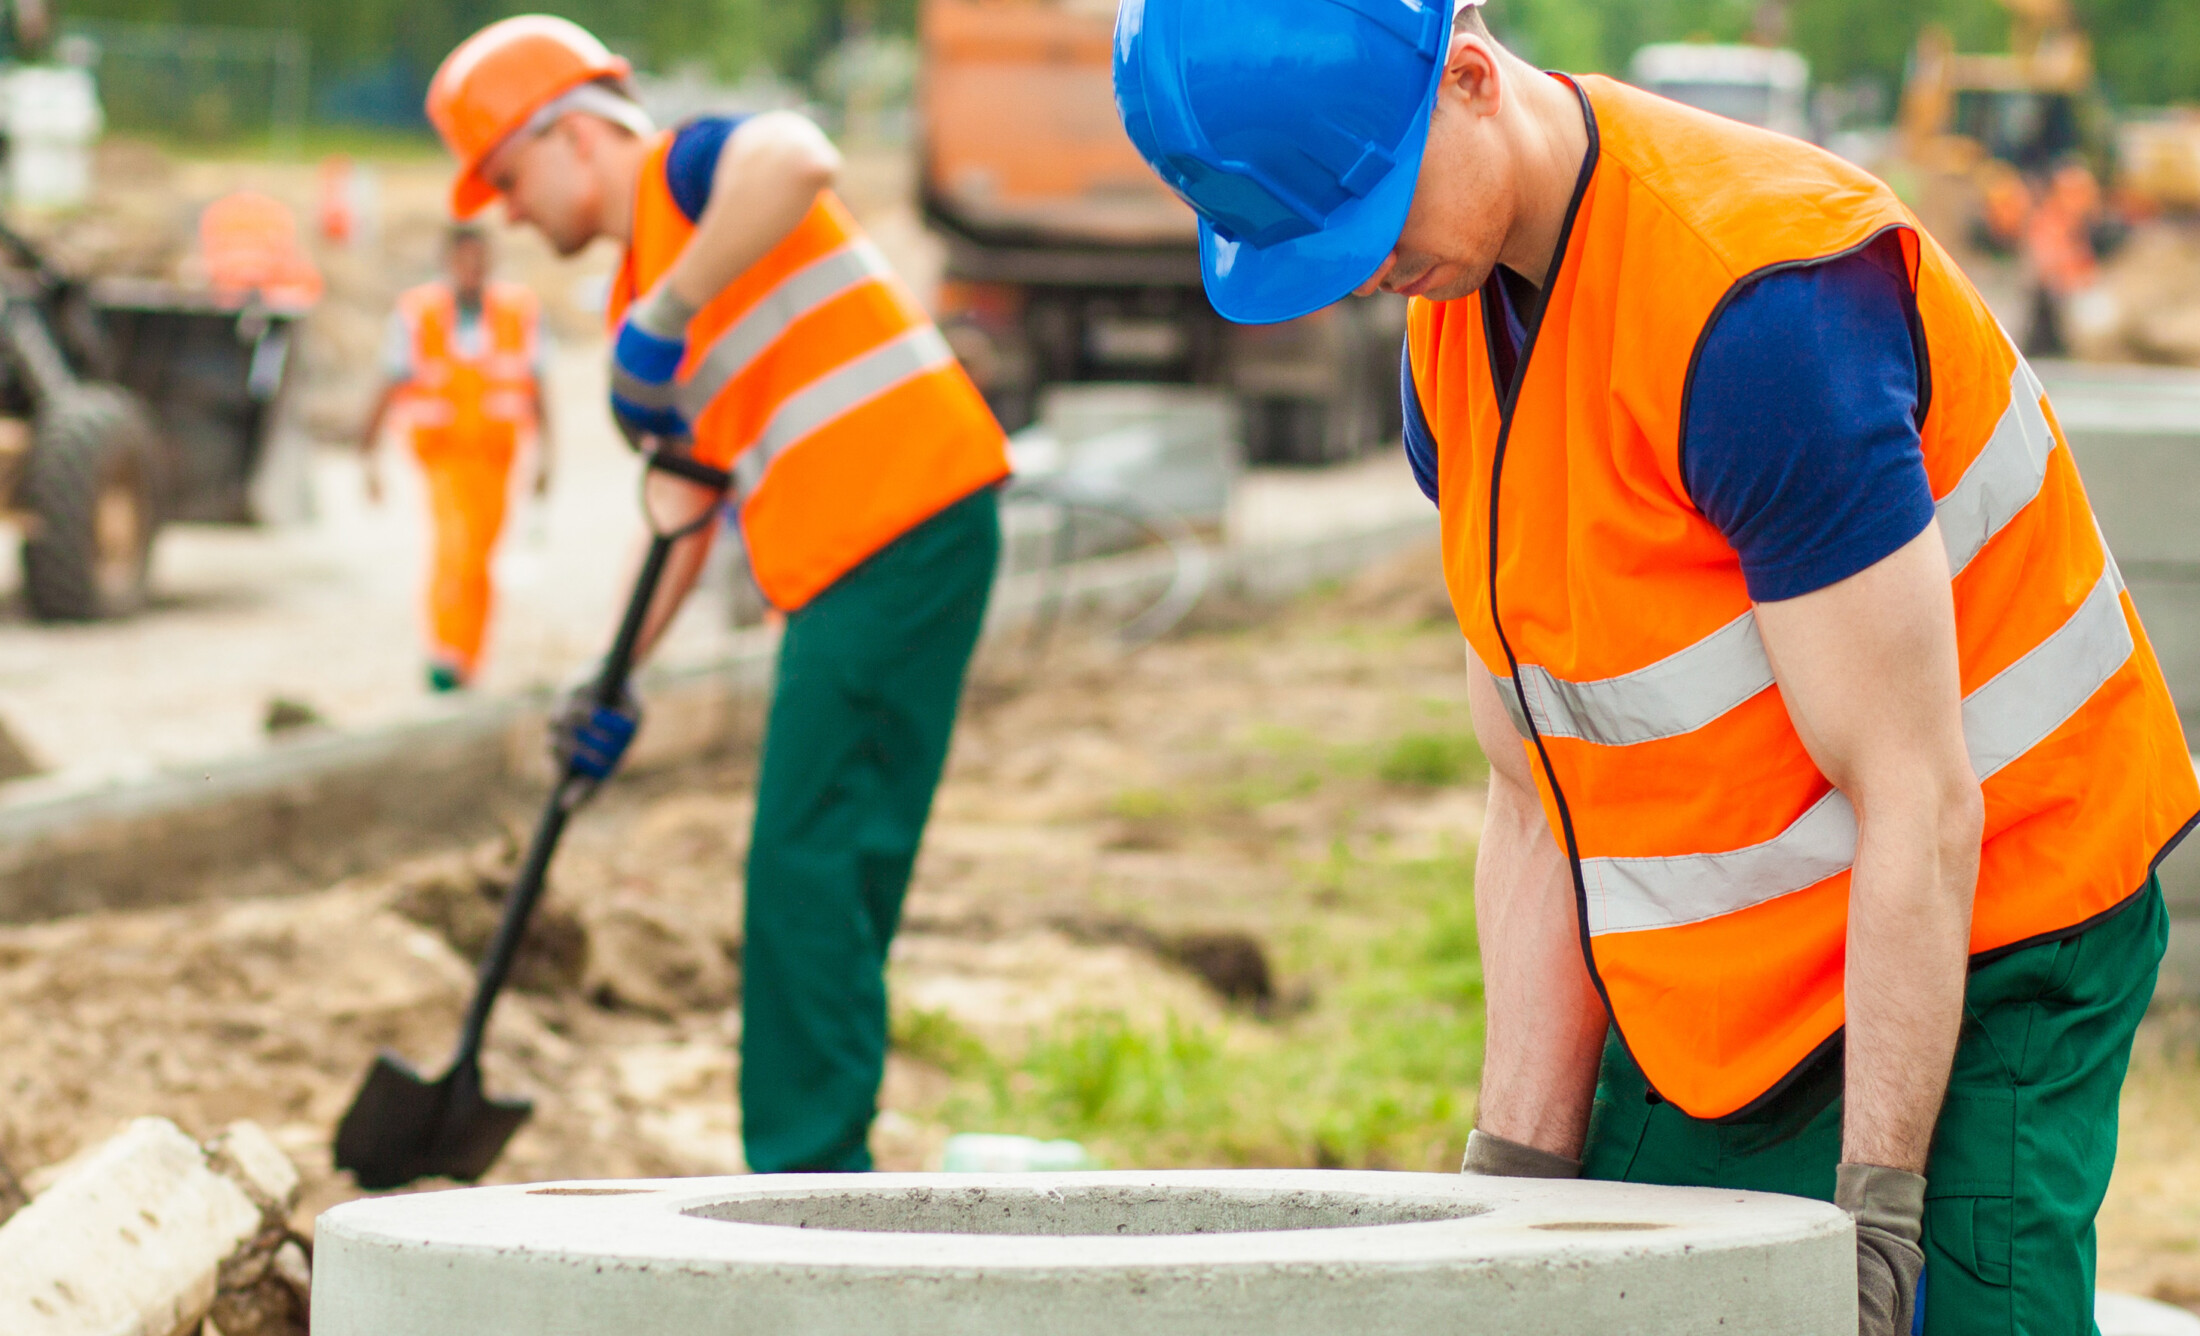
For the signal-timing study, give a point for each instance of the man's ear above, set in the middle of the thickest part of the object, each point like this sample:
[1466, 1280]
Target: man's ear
[1472, 72]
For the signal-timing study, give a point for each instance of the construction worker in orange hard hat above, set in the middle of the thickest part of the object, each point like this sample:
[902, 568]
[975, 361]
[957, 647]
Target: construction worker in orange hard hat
[464, 362]
[755, 321]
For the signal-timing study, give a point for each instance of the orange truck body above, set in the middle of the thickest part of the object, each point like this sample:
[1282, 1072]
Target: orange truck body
[1069, 261]
[1018, 105]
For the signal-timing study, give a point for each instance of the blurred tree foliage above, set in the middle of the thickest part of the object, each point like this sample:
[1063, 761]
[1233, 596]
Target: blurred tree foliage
[2149, 49]
[728, 36]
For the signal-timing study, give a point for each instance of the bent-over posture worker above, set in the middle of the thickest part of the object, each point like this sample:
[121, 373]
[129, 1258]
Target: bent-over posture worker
[464, 363]
[753, 315]
[1830, 761]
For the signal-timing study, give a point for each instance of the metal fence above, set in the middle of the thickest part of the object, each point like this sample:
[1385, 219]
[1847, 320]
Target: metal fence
[196, 82]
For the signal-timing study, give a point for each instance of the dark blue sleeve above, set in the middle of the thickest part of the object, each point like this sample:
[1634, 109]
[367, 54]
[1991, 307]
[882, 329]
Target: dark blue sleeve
[1420, 441]
[691, 164]
[1801, 441]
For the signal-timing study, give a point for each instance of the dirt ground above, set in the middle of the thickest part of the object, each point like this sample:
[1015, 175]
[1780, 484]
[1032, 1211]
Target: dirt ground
[1036, 896]
[1064, 875]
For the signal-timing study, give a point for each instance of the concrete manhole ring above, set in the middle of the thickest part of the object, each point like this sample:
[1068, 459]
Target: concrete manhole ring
[1109, 1254]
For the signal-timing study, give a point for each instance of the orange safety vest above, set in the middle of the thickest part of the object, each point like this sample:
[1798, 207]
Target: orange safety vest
[249, 244]
[1710, 856]
[484, 402]
[822, 383]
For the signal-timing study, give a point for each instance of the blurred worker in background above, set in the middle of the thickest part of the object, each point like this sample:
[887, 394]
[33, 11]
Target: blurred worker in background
[756, 321]
[464, 363]
[251, 251]
[1830, 763]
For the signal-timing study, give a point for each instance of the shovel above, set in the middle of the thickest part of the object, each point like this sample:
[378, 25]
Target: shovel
[401, 1127]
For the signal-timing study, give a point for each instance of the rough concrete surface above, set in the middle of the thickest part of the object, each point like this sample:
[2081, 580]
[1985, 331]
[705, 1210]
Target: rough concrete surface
[1278, 1253]
[133, 1237]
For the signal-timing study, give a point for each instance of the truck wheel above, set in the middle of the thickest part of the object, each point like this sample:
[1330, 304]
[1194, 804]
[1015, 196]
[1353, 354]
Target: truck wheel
[89, 486]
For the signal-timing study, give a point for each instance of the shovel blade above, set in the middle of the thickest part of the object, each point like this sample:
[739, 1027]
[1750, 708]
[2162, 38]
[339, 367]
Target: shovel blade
[401, 1128]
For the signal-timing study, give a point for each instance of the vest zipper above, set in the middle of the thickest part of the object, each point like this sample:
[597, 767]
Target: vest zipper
[1508, 401]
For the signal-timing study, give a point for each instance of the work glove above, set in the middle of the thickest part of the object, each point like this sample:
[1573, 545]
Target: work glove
[1888, 1206]
[645, 358]
[588, 738]
[1500, 1158]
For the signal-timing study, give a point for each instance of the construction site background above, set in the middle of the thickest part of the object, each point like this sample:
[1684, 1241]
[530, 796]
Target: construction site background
[1201, 904]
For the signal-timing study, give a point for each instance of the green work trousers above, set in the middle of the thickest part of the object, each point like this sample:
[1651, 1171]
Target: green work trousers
[2020, 1158]
[870, 673]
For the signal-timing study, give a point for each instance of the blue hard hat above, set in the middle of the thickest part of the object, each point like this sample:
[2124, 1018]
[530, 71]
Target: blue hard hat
[1295, 129]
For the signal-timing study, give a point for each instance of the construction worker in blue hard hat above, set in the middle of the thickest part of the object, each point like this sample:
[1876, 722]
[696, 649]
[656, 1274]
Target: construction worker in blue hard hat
[1830, 762]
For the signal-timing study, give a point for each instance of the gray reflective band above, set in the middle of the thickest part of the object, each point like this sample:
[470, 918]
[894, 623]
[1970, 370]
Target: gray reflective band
[800, 293]
[2004, 718]
[2004, 477]
[845, 388]
[1638, 894]
[1688, 689]
[2023, 703]
[1678, 694]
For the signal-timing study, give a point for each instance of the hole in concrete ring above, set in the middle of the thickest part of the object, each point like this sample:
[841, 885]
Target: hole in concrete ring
[588, 1192]
[1599, 1226]
[1077, 1211]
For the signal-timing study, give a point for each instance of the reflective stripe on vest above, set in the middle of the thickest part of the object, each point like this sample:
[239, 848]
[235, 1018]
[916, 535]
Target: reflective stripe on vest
[1684, 691]
[832, 397]
[494, 387]
[2002, 720]
[818, 380]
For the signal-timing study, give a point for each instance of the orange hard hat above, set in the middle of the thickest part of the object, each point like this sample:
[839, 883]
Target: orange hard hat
[498, 78]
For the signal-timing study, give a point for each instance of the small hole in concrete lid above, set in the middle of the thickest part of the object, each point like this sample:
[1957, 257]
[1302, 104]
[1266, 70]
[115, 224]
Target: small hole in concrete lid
[588, 1192]
[1599, 1226]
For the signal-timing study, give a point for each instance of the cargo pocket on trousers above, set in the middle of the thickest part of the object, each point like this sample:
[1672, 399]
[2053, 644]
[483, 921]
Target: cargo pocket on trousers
[1970, 1183]
[1973, 1232]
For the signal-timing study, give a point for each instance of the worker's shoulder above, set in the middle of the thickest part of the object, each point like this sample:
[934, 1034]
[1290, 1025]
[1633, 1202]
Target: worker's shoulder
[1747, 198]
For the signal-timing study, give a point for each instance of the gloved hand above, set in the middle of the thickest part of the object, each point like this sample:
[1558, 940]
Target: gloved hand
[1889, 1208]
[588, 738]
[1500, 1158]
[644, 361]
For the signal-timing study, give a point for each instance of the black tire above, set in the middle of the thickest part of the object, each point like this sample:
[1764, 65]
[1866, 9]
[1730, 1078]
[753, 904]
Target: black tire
[89, 484]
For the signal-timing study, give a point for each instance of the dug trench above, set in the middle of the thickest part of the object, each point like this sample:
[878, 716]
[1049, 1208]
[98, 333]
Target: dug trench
[1208, 904]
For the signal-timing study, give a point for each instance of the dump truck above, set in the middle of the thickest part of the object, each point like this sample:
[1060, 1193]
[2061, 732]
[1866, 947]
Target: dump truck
[124, 406]
[1069, 261]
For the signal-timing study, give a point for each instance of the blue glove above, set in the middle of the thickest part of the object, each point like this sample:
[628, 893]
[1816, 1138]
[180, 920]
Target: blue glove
[587, 737]
[644, 361]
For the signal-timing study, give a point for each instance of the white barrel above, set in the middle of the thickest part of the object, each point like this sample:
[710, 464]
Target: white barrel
[52, 120]
[1091, 1254]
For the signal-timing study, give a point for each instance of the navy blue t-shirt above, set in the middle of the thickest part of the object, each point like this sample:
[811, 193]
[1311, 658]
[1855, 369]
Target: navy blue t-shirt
[691, 164]
[1802, 436]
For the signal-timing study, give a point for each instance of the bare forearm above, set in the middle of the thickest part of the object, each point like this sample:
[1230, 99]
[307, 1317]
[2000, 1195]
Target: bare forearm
[769, 176]
[1870, 674]
[370, 435]
[1909, 940]
[1546, 1022]
[681, 571]
[545, 456]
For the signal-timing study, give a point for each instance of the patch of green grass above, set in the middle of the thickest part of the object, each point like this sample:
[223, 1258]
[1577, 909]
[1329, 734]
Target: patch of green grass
[1431, 761]
[939, 1039]
[1377, 1070]
[1147, 805]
